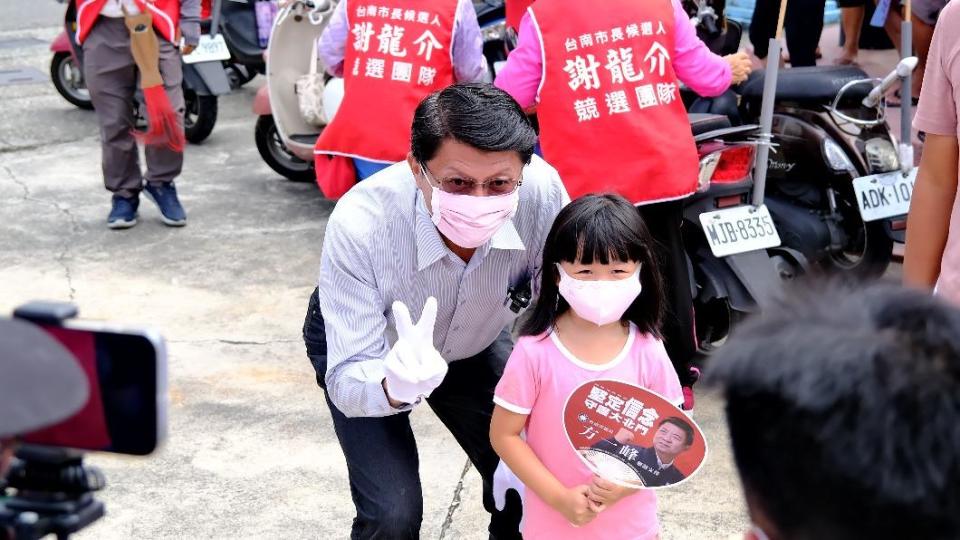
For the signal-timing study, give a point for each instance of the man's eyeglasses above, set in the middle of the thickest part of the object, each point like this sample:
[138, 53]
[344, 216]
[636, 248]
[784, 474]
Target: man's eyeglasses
[467, 186]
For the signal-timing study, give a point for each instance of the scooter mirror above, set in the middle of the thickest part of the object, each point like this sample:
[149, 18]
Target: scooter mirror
[903, 69]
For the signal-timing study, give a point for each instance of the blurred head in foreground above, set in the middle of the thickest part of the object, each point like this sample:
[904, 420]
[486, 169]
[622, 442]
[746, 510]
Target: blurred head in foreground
[844, 412]
[40, 383]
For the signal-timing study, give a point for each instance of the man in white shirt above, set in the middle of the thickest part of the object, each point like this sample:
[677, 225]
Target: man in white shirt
[455, 236]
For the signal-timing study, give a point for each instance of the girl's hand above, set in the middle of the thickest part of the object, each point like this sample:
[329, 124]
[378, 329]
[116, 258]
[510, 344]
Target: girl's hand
[576, 507]
[740, 66]
[605, 493]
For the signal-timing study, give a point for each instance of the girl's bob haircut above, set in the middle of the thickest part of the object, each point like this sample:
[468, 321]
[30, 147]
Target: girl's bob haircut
[599, 228]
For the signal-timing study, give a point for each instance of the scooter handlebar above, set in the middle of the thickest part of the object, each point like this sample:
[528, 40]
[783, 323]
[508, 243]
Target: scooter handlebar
[903, 69]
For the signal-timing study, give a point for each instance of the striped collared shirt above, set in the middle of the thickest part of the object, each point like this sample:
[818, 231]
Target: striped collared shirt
[380, 246]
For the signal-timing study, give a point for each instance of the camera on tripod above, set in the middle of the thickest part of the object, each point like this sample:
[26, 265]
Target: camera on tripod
[68, 387]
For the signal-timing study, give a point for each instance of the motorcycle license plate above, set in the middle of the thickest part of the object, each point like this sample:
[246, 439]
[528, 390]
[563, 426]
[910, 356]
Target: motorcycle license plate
[210, 49]
[739, 230]
[881, 196]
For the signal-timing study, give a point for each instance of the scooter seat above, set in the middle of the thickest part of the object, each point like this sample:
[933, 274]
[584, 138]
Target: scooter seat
[705, 123]
[818, 84]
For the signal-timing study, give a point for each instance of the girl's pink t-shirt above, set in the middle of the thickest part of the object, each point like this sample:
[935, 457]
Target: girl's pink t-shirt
[937, 114]
[539, 377]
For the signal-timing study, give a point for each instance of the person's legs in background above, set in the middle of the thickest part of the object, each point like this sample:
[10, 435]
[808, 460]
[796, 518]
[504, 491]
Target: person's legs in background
[665, 223]
[893, 23]
[164, 164]
[804, 25]
[762, 26]
[851, 19]
[111, 77]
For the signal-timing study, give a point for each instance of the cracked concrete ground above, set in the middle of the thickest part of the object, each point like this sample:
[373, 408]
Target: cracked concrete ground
[251, 451]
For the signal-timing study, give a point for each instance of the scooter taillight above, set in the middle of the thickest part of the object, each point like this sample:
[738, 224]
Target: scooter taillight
[734, 165]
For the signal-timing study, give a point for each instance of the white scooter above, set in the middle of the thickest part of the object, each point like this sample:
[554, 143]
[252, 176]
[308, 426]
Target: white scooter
[285, 140]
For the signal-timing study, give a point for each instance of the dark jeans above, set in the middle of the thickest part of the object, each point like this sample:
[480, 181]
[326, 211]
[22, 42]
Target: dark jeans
[381, 453]
[663, 220]
[803, 26]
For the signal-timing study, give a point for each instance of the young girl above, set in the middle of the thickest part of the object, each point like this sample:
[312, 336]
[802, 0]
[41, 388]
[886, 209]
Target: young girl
[598, 317]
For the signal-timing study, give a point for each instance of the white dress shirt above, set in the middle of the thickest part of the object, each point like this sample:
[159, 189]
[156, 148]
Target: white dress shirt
[380, 246]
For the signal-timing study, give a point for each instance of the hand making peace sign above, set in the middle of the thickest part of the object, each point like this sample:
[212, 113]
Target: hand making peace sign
[414, 368]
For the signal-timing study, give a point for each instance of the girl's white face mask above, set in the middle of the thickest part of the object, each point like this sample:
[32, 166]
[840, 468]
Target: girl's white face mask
[600, 302]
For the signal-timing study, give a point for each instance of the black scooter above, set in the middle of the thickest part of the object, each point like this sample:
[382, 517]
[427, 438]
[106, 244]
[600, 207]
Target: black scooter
[836, 186]
[733, 248]
[238, 26]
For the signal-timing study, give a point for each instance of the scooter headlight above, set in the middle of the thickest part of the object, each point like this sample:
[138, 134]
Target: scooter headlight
[836, 157]
[882, 156]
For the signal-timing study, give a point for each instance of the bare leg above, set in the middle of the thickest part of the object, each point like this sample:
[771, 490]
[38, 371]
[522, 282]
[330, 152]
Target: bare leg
[922, 36]
[892, 25]
[852, 20]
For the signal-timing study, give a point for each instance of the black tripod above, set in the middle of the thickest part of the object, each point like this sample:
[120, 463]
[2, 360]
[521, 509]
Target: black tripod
[49, 491]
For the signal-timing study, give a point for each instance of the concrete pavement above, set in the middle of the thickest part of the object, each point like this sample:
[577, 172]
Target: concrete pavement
[251, 452]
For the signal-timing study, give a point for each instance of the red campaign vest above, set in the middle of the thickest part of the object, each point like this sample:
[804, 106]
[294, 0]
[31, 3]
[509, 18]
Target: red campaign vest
[166, 17]
[398, 52]
[514, 11]
[611, 119]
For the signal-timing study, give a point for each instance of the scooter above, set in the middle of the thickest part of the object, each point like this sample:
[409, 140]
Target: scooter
[837, 187]
[732, 247]
[203, 79]
[831, 151]
[285, 141]
[238, 26]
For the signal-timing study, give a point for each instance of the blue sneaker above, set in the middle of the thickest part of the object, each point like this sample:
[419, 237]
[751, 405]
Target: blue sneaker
[165, 195]
[123, 215]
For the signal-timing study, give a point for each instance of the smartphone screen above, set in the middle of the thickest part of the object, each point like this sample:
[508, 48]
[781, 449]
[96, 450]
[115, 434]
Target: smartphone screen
[125, 411]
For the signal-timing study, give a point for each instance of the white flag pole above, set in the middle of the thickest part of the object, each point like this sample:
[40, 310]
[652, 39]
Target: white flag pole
[766, 109]
[906, 92]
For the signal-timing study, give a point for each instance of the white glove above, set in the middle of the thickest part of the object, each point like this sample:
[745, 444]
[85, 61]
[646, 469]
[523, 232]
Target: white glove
[504, 479]
[413, 367]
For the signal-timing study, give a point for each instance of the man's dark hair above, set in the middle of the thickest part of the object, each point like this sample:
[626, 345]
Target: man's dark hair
[604, 229]
[844, 413]
[682, 424]
[479, 115]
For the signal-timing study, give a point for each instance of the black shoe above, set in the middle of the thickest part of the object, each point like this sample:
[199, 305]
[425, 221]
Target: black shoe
[165, 195]
[123, 215]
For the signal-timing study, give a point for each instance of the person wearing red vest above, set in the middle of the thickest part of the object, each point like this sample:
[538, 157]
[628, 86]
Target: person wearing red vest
[514, 10]
[605, 81]
[392, 54]
[110, 73]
